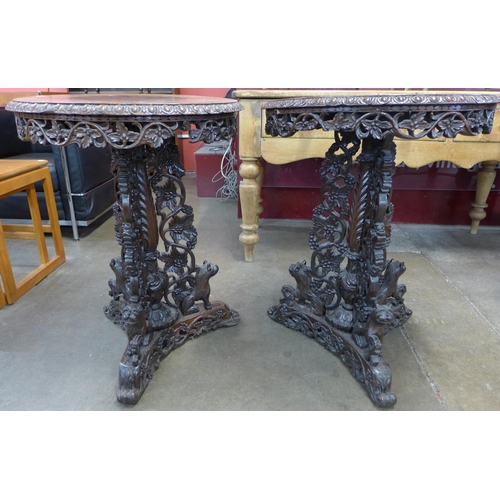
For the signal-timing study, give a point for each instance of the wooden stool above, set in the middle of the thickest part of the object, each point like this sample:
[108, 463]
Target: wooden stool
[21, 175]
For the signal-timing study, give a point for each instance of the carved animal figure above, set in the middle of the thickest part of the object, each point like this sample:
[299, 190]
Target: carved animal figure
[200, 290]
[377, 325]
[117, 286]
[134, 320]
[379, 321]
[302, 274]
[389, 286]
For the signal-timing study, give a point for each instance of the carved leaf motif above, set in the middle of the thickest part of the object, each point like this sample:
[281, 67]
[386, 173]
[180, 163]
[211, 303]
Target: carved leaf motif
[181, 227]
[415, 122]
[86, 135]
[70, 129]
[329, 259]
[123, 135]
[58, 133]
[156, 135]
[34, 131]
[343, 121]
[307, 121]
[450, 126]
[328, 229]
[175, 261]
[166, 196]
[403, 123]
[210, 131]
[375, 127]
[477, 121]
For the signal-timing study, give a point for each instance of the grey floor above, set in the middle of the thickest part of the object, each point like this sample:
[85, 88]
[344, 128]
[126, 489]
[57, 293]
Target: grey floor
[59, 352]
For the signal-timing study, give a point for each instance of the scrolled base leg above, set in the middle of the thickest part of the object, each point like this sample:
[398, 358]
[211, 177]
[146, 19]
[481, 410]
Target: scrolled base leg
[144, 353]
[373, 373]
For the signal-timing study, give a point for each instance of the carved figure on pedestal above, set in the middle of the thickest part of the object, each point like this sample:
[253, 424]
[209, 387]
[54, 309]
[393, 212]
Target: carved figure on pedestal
[389, 286]
[134, 320]
[303, 276]
[200, 290]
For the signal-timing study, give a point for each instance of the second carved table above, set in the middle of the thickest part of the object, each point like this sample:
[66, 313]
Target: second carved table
[348, 296]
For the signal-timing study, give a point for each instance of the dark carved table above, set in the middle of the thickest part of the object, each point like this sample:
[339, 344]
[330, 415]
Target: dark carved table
[154, 292]
[348, 297]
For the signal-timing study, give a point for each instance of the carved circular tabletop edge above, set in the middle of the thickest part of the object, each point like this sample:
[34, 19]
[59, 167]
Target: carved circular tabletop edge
[383, 100]
[137, 111]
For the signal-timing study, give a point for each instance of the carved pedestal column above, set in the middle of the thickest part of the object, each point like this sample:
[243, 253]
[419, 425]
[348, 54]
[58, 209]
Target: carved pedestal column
[485, 178]
[154, 293]
[349, 310]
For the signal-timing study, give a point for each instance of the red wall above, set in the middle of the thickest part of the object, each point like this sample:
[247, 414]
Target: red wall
[34, 90]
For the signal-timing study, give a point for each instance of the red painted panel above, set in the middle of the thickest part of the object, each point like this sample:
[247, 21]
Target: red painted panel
[427, 195]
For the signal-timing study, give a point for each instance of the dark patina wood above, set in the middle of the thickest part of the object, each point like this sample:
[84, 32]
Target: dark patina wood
[348, 297]
[155, 293]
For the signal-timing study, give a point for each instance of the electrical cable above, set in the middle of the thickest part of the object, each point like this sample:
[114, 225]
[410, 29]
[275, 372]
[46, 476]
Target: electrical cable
[229, 189]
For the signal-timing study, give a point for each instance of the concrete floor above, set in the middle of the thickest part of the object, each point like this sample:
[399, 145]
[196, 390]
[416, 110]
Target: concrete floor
[59, 352]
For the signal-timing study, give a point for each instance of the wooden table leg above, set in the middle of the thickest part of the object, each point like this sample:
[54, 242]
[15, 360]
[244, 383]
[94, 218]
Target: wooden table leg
[485, 178]
[259, 180]
[250, 170]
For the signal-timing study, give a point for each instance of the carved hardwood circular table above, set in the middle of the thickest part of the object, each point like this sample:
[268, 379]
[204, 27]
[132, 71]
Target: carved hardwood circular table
[348, 297]
[154, 292]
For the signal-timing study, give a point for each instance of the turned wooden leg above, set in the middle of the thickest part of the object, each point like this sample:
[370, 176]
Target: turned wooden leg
[259, 179]
[485, 178]
[249, 199]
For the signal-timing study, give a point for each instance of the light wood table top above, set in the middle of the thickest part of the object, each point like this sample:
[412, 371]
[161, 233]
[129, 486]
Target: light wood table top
[11, 168]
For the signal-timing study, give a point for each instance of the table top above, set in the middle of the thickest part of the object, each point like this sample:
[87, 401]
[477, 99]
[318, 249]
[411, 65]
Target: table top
[377, 98]
[116, 105]
[123, 121]
[407, 115]
[10, 168]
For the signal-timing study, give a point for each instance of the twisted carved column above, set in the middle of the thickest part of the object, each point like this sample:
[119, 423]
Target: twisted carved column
[154, 292]
[350, 309]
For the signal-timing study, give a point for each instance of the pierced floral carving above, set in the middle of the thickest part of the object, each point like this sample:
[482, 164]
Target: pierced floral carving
[380, 124]
[120, 134]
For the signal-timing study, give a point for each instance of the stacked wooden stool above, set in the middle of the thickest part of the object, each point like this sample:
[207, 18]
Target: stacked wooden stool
[16, 176]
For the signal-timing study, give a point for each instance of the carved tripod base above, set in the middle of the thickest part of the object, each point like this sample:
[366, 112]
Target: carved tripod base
[374, 376]
[145, 352]
[154, 292]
